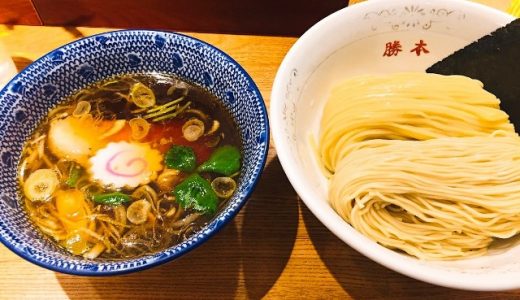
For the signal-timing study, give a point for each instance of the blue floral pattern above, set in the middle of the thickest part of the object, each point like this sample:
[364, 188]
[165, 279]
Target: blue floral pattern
[25, 101]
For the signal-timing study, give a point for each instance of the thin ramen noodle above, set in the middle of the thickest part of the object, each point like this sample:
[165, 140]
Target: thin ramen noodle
[130, 166]
[422, 163]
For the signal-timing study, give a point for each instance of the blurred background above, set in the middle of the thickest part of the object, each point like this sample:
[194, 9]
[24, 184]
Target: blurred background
[289, 18]
[265, 17]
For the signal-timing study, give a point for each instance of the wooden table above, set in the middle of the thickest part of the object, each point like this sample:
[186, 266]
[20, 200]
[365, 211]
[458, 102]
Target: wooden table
[275, 247]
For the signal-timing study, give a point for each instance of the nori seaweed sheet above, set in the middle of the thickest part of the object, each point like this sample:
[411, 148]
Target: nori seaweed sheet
[494, 60]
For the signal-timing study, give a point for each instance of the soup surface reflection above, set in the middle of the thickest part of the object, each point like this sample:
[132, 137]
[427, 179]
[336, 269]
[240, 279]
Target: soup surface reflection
[130, 166]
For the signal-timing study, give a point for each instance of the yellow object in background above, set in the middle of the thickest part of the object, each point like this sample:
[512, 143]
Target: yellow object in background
[510, 6]
[354, 1]
[514, 8]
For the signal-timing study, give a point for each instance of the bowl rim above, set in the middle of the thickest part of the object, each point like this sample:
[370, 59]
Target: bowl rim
[208, 233]
[361, 244]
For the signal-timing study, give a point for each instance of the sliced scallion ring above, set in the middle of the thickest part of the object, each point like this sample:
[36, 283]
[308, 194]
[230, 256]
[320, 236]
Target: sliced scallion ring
[224, 187]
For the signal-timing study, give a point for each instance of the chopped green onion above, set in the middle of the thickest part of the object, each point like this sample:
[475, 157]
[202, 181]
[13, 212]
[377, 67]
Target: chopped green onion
[161, 112]
[171, 90]
[164, 106]
[224, 187]
[172, 115]
[142, 96]
[112, 198]
[74, 174]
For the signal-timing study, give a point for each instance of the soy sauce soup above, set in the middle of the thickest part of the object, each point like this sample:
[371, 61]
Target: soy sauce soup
[130, 166]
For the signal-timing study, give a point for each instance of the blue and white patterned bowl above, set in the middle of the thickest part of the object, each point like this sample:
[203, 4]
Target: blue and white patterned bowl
[43, 84]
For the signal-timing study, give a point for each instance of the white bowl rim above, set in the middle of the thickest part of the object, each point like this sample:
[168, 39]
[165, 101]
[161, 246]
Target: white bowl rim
[373, 251]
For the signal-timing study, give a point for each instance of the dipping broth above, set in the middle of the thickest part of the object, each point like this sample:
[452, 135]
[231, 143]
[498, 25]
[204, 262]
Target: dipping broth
[130, 166]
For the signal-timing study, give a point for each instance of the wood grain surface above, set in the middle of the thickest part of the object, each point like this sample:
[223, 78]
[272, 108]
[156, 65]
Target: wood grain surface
[275, 248]
[18, 12]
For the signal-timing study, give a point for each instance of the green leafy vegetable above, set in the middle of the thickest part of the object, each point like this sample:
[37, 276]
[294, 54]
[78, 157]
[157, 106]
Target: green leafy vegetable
[225, 160]
[196, 192]
[181, 158]
[112, 198]
[74, 174]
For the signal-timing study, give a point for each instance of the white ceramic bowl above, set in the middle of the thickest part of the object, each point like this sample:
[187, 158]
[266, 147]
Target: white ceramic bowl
[350, 42]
